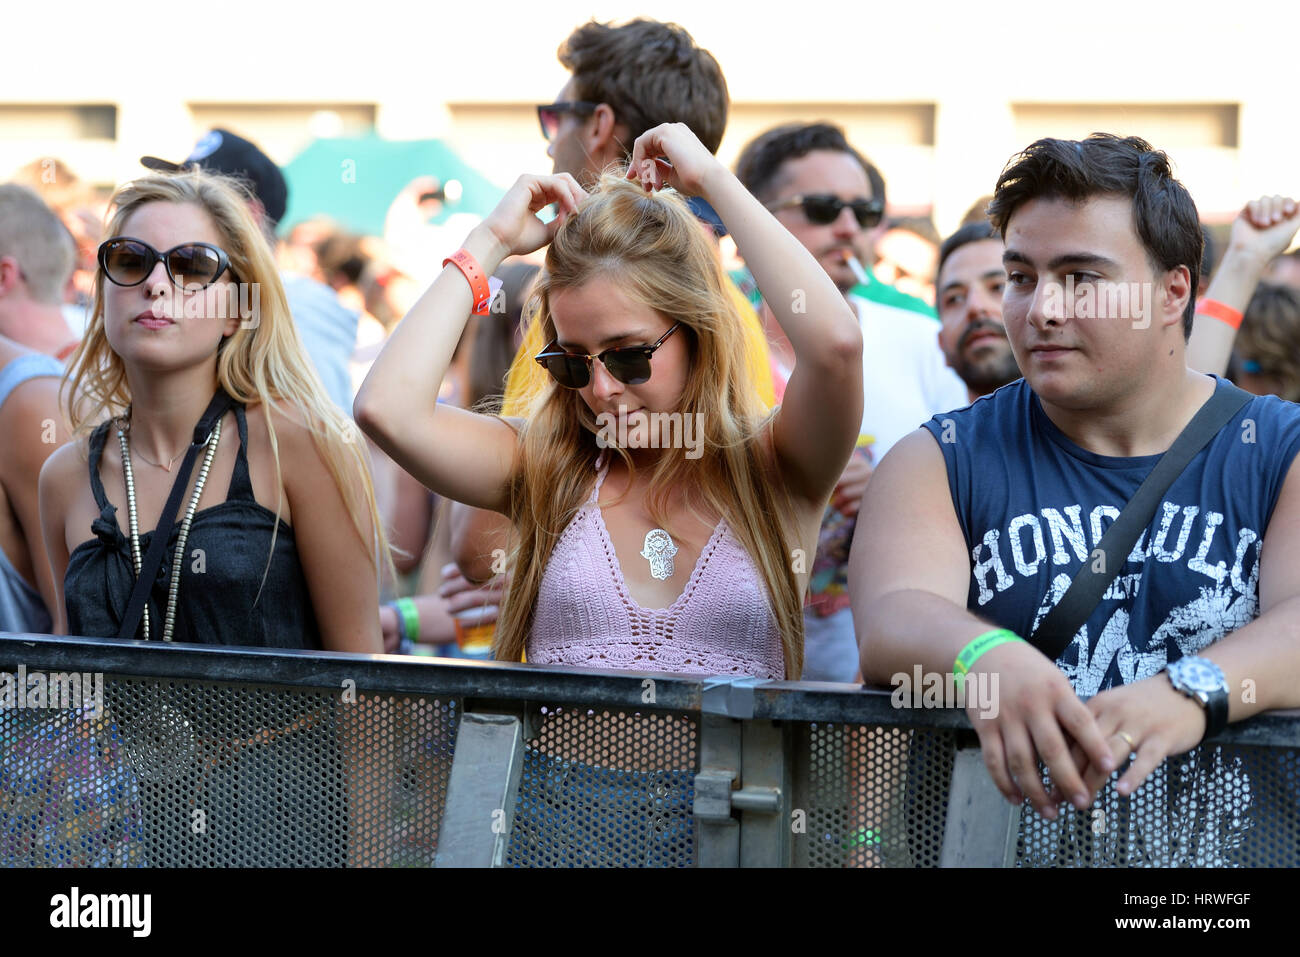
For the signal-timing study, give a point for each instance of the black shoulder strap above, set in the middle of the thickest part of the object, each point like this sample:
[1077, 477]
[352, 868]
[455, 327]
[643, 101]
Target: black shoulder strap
[220, 403]
[1063, 622]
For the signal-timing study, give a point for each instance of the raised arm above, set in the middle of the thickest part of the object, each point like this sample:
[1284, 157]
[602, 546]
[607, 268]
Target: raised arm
[1262, 230]
[909, 573]
[817, 425]
[461, 455]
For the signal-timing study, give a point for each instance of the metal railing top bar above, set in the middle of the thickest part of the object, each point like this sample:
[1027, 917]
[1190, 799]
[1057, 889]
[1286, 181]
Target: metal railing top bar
[495, 680]
[399, 674]
[832, 703]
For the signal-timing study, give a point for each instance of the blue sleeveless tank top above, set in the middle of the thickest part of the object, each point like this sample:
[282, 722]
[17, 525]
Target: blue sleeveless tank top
[222, 598]
[1033, 506]
[21, 607]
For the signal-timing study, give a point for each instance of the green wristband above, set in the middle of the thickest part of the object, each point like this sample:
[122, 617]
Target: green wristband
[990, 639]
[410, 617]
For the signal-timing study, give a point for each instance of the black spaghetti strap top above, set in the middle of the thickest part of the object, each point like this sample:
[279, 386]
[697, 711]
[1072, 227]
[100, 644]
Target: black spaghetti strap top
[223, 599]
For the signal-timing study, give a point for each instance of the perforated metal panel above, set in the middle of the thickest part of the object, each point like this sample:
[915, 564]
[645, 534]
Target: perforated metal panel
[606, 789]
[196, 774]
[180, 772]
[874, 796]
[1213, 807]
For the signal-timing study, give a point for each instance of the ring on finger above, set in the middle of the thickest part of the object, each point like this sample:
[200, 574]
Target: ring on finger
[1128, 739]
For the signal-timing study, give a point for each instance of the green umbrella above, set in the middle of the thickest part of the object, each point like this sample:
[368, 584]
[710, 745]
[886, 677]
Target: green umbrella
[353, 180]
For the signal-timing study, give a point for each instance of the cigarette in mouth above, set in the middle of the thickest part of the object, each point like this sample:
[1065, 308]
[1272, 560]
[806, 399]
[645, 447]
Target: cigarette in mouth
[859, 273]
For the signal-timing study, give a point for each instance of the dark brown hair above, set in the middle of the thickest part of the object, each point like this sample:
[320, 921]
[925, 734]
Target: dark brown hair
[649, 73]
[762, 158]
[1164, 215]
[969, 233]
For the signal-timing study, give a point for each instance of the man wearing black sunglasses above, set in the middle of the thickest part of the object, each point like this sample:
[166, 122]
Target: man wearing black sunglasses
[831, 199]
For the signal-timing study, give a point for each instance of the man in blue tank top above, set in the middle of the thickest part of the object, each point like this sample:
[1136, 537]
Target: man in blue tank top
[981, 519]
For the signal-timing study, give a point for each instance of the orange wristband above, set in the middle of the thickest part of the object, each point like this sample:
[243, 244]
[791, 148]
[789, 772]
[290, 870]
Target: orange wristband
[1217, 310]
[478, 284]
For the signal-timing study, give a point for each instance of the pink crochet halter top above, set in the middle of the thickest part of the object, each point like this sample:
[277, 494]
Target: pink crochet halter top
[721, 624]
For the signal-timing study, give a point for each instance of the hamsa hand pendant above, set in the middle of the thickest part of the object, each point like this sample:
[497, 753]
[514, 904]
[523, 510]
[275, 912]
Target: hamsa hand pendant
[659, 551]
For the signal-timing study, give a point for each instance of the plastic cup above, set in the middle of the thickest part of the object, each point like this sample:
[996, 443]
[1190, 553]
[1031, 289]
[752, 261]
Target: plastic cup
[473, 635]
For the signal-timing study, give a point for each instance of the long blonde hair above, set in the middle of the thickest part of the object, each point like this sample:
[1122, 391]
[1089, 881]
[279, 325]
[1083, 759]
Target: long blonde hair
[261, 362]
[653, 247]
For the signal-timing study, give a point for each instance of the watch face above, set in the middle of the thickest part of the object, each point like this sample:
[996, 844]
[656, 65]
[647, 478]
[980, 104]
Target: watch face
[1197, 674]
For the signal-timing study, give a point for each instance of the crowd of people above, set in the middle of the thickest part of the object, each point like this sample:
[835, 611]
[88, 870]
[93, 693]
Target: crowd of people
[595, 439]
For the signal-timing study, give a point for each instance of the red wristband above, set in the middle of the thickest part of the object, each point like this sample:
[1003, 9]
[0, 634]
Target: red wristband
[478, 284]
[1217, 310]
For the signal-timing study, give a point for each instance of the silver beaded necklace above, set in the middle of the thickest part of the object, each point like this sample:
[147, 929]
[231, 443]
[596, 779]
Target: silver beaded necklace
[173, 589]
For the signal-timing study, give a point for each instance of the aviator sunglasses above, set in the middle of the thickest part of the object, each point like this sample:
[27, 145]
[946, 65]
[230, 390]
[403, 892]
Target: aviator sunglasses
[823, 210]
[549, 115]
[128, 262]
[629, 364]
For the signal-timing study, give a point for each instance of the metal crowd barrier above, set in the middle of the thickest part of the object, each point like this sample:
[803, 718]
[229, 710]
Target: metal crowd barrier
[181, 755]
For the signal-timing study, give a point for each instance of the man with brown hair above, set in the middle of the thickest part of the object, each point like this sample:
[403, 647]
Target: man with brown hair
[974, 527]
[629, 78]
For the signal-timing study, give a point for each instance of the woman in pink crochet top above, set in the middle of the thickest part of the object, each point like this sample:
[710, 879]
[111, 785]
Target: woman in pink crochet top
[664, 519]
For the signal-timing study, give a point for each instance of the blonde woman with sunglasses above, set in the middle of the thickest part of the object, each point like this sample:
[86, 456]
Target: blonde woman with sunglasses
[631, 555]
[280, 545]
[276, 542]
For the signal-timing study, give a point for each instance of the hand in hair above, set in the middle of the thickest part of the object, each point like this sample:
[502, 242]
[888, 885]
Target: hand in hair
[514, 223]
[689, 164]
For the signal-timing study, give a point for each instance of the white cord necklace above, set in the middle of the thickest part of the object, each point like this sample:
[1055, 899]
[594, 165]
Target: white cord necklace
[173, 589]
[659, 550]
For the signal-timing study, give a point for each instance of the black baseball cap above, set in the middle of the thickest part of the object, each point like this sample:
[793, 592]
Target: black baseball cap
[221, 151]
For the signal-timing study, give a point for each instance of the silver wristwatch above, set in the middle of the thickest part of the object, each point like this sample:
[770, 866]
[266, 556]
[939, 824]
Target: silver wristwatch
[1203, 681]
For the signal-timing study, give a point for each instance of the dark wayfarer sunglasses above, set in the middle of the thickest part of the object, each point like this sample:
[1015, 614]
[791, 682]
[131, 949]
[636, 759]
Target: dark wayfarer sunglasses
[192, 266]
[629, 365]
[823, 210]
[549, 115]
